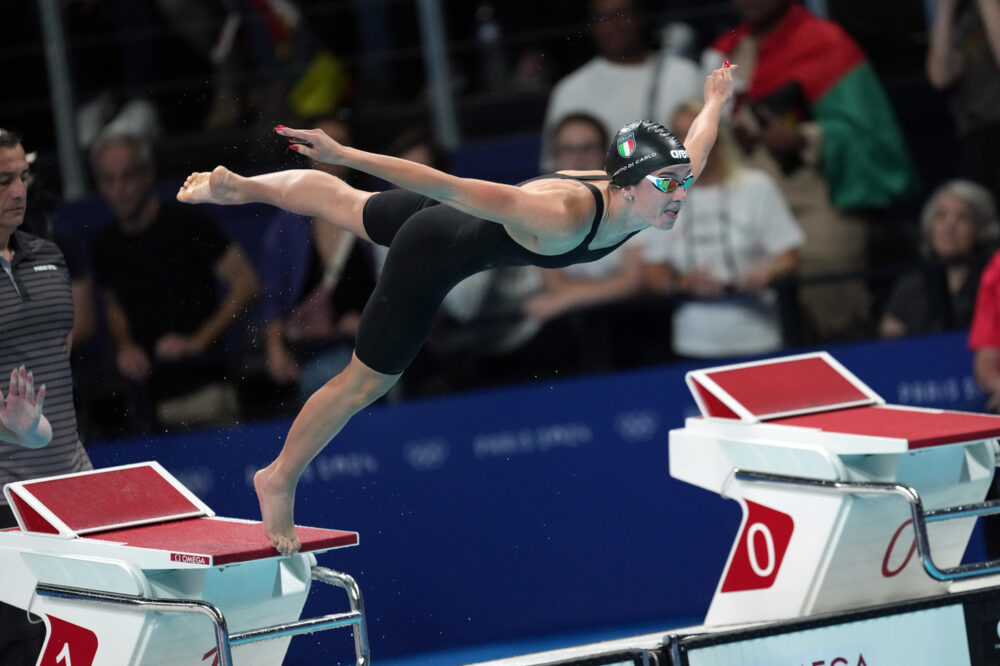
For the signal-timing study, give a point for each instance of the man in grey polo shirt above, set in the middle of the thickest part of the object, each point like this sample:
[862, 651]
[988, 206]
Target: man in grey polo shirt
[36, 317]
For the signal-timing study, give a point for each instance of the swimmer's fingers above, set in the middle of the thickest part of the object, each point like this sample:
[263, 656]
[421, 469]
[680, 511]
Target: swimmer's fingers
[290, 132]
[314, 143]
[305, 138]
[304, 149]
[719, 84]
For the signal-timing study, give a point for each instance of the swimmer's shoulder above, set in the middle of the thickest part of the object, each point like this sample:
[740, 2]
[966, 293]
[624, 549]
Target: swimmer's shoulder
[567, 181]
[578, 190]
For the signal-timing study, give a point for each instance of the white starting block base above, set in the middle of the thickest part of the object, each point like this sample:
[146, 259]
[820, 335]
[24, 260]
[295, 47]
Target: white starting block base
[126, 566]
[856, 516]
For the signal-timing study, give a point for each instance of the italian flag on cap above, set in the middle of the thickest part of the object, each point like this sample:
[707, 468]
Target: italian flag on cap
[627, 145]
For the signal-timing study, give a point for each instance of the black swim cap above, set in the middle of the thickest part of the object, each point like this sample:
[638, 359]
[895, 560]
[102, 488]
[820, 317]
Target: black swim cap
[641, 148]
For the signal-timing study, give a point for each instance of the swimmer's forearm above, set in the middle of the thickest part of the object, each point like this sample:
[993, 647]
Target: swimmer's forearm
[702, 134]
[705, 127]
[408, 175]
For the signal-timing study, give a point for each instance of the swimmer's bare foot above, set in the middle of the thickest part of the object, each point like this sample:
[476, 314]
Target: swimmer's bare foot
[221, 186]
[276, 504]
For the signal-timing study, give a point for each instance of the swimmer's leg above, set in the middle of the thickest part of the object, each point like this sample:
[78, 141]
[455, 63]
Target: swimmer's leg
[306, 192]
[320, 419]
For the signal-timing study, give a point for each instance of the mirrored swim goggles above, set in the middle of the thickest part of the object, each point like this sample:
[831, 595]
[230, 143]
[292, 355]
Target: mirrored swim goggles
[669, 184]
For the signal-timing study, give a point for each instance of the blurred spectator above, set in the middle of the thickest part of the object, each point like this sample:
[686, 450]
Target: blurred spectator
[21, 50]
[317, 280]
[813, 115]
[255, 48]
[984, 334]
[984, 341]
[734, 238]
[958, 227]
[210, 27]
[113, 67]
[41, 220]
[579, 142]
[292, 69]
[626, 80]
[157, 266]
[373, 23]
[36, 308]
[964, 62]
[316, 283]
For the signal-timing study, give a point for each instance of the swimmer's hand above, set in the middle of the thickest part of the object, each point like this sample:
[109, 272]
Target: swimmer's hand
[719, 84]
[21, 420]
[313, 143]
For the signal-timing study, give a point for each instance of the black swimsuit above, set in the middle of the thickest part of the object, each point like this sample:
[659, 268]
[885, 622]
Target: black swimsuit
[433, 247]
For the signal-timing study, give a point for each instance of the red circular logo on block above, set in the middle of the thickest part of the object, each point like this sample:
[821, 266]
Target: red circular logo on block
[760, 550]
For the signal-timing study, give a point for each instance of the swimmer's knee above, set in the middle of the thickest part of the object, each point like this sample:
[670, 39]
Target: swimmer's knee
[365, 384]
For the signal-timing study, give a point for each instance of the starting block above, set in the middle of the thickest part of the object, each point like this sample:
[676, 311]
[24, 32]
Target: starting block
[856, 518]
[126, 566]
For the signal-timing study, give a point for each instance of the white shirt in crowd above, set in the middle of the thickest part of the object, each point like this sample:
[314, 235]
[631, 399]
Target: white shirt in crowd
[618, 94]
[728, 229]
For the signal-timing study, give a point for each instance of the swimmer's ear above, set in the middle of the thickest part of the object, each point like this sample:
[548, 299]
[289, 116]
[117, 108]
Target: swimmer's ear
[628, 193]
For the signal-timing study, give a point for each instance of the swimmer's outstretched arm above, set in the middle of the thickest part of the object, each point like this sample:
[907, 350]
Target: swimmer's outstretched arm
[21, 419]
[548, 214]
[705, 127]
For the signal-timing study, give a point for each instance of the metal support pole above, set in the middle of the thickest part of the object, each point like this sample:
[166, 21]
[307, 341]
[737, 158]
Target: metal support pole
[438, 73]
[61, 91]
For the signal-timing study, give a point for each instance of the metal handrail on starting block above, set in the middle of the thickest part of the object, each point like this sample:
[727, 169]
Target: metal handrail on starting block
[223, 639]
[919, 515]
